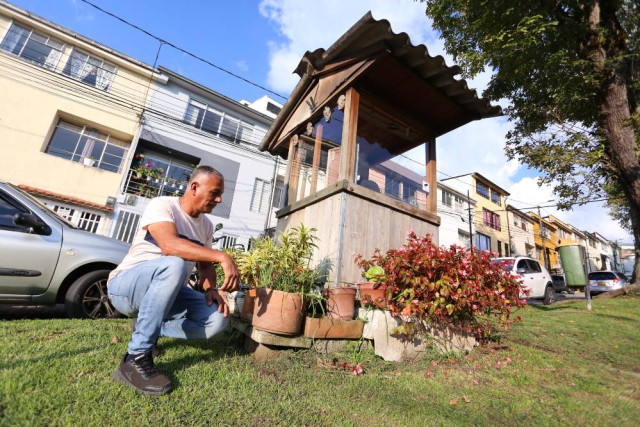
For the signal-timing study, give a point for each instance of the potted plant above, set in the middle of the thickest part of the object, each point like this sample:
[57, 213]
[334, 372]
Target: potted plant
[89, 161]
[281, 274]
[373, 292]
[341, 302]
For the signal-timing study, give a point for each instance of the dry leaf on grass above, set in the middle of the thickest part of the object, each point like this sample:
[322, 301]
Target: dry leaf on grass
[115, 340]
[453, 402]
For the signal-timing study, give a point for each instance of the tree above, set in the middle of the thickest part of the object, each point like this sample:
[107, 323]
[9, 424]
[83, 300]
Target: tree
[571, 71]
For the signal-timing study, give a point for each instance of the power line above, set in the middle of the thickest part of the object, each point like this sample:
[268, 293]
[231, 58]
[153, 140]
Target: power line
[168, 43]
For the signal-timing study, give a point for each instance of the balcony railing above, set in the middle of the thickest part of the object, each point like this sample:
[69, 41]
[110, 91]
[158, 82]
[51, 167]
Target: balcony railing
[149, 187]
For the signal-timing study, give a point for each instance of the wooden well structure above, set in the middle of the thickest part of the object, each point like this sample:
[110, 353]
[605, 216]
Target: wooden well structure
[358, 106]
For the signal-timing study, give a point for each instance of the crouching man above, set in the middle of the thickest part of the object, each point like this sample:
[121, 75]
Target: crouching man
[150, 283]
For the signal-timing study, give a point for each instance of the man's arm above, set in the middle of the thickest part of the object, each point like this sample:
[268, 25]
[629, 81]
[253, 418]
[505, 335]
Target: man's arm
[166, 235]
[208, 278]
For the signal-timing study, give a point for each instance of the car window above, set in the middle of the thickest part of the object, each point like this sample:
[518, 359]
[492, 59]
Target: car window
[8, 208]
[601, 275]
[506, 263]
[522, 264]
[43, 207]
[534, 266]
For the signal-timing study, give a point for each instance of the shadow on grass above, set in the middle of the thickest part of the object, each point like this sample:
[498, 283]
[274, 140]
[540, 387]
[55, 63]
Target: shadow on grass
[54, 356]
[553, 307]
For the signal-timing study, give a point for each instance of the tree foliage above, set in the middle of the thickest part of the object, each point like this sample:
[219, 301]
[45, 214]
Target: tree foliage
[553, 62]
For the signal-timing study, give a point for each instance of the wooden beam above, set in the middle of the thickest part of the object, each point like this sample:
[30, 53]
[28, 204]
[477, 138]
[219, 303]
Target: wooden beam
[317, 152]
[430, 157]
[349, 133]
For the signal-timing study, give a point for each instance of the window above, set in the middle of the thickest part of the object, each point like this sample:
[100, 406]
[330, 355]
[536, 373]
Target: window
[273, 108]
[491, 219]
[524, 226]
[446, 198]
[210, 120]
[534, 266]
[544, 232]
[228, 241]
[482, 189]
[126, 226]
[483, 242]
[76, 143]
[409, 193]
[260, 197]
[463, 238]
[7, 210]
[495, 198]
[499, 248]
[277, 194]
[506, 249]
[84, 220]
[562, 233]
[37, 48]
[90, 70]
[523, 267]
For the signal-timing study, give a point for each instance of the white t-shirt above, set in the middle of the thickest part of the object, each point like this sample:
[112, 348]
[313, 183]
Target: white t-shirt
[165, 209]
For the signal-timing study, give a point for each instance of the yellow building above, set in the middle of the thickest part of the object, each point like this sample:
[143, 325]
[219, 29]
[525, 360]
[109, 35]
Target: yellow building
[490, 215]
[565, 232]
[69, 113]
[549, 234]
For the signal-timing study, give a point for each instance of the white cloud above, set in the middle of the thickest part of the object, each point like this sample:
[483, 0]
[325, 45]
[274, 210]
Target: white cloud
[242, 65]
[306, 25]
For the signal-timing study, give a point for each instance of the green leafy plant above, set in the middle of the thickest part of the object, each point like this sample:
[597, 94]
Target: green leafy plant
[375, 274]
[282, 265]
[457, 288]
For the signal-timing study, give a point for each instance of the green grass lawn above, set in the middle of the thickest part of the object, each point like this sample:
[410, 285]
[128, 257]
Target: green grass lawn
[561, 365]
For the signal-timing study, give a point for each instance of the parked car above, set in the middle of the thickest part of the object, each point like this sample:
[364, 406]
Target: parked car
[560, 285]
[47, 260]
[605, 281]
[534, 275]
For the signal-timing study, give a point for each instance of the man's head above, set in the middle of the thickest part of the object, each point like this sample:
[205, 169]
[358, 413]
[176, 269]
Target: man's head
[204, 190]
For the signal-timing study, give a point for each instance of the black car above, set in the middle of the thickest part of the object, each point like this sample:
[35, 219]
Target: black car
[559, 284]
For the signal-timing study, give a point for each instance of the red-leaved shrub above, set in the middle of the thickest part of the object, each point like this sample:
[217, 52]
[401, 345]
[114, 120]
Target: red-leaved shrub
[458, 288]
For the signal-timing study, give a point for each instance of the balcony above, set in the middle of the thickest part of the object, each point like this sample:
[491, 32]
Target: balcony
[150, 186]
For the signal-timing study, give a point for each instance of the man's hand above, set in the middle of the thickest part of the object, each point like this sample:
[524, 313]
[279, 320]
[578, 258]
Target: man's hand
[213, 296]
[231, 274]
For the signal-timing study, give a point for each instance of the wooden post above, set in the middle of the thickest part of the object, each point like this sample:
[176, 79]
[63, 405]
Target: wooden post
[317, 152]
[349, 133]
[430, 157]
[294, 171]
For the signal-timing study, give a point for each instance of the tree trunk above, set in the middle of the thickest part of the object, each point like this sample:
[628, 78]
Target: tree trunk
[624, 291]
[620, 144]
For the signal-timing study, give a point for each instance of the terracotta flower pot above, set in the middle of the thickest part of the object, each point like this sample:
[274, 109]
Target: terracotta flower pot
[373, 293]
[249, 302]
[341, 302]
[278, 312]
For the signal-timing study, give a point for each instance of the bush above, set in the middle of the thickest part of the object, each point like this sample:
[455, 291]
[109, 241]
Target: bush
[457, 288]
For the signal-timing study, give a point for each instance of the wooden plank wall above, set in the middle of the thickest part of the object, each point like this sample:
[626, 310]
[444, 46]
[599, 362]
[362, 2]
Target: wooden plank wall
[367, 226]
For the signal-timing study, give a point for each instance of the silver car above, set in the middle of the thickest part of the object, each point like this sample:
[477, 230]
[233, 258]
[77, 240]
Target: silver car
[605, 281]
[46, 260]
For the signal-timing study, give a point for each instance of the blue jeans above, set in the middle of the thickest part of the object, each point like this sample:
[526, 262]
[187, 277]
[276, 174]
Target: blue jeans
[154, 291]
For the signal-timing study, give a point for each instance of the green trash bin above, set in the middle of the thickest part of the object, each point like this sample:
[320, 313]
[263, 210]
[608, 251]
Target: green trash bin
[573, 264]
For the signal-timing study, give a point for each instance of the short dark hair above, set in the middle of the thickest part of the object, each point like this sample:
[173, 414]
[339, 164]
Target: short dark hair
[204, 170]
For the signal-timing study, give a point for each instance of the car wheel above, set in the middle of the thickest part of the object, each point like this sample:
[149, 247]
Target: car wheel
[87, 297]
[549, 296]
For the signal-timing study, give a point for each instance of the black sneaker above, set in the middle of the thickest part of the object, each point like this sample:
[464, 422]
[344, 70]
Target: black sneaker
[156, 351]
[141, 374]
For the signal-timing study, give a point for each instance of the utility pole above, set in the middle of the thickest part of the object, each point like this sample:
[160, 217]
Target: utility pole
[615, 252]
[544, 249]
[469, 210]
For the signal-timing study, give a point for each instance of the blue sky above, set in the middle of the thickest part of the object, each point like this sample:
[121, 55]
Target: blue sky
[231, 34]
[264, 40]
